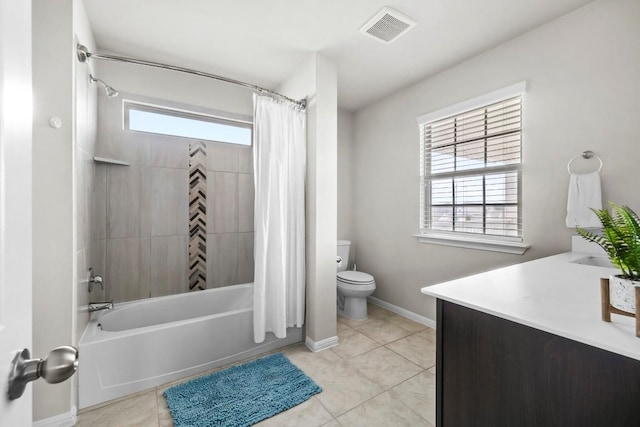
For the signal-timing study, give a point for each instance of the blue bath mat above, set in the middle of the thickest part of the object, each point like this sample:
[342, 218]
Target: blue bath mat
[241, 395]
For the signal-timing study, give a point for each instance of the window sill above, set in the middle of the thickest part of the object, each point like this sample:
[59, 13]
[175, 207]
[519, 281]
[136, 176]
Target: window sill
[468, 242]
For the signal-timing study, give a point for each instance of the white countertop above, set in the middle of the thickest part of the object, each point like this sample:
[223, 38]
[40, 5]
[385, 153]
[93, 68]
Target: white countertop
[551, 294]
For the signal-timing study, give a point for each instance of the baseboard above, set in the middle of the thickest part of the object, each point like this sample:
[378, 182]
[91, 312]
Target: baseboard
[322, 344]
[403, 312]
[62, 420]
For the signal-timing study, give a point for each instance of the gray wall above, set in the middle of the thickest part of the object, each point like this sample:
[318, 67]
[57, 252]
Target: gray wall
[142, 211]
[315, 78]
[582, 74]
[345, 162]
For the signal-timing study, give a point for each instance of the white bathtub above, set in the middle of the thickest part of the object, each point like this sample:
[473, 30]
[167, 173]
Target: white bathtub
[143, 344]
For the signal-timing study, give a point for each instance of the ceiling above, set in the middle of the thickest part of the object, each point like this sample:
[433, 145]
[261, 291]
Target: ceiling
[262, 41]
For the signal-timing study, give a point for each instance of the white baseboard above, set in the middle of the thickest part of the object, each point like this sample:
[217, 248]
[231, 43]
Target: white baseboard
[62, 420]
[322, 344]
[403, 312]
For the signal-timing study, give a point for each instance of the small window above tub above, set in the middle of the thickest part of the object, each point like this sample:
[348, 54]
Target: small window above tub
[186, 124]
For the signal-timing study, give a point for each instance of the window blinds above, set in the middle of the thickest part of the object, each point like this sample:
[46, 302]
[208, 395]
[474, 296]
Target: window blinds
[471, 171]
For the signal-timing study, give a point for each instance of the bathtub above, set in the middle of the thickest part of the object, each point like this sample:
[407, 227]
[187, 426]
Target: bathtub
[143, 344]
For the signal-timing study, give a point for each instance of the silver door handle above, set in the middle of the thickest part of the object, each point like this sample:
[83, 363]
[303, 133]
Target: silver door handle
[60, 364]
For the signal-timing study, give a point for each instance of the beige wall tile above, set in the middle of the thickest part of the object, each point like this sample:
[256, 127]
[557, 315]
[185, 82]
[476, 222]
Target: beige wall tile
[169, 152]
[245, 258]
[84, 197]
[128, 201]
[222, 202]
[99, 208]
[246, 195]
[222, 157]
[245, 159]
[169, 265]
[98, 261]
[128, 269]
[222, 260]
[169, 202]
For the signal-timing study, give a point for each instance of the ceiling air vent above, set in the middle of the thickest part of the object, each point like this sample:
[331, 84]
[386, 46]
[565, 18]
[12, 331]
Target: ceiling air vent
[387, 25]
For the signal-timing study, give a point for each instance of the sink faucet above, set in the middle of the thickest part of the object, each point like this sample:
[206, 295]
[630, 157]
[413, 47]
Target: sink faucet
[97, 306]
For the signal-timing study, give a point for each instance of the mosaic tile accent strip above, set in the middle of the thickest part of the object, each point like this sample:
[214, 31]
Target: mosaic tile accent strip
[197, 216]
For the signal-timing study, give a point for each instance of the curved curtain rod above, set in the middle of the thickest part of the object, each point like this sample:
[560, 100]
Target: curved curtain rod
[84, 55]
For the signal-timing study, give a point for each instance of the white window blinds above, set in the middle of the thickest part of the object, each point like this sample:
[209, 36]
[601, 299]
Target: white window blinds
[470, 164]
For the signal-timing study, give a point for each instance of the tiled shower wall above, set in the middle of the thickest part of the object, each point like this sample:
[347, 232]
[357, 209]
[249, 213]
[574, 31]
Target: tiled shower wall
[142, 210]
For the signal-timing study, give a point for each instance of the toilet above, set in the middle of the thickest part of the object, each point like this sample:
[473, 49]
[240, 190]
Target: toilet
[353, 286]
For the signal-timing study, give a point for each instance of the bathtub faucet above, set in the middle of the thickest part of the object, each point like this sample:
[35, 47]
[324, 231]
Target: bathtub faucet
[97, 306]
[94, 279]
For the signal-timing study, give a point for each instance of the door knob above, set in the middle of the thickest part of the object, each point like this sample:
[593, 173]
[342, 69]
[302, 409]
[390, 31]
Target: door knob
[60, 364]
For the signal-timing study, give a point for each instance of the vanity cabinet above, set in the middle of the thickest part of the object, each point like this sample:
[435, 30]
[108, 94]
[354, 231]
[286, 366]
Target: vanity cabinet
[495, 372]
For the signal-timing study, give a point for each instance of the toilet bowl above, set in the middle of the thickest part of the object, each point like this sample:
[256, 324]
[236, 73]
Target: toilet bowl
[353, 289]
[353, 286]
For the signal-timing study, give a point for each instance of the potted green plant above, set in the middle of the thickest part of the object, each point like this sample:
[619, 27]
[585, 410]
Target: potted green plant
[620, 240]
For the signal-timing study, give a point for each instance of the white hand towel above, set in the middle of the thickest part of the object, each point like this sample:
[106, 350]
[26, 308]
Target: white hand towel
[584, 193]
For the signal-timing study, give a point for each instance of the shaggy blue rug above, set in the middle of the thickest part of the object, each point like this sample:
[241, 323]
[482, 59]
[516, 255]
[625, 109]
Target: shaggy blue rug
[241, 395]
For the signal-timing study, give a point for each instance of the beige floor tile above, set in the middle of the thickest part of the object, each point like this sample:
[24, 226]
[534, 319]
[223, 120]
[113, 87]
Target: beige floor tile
[384, 367]
[432, 370]
[342, 327]
[382, 331]
[378, 312]
[164, 416]
[139, 411]
[353, 323]
[332, 423]
[429, 334]
[309, 414]
[308, 361]
[352, 343]
[343, 388]
[417, 348]
[383, 410]
[419, 393]
[405, 323]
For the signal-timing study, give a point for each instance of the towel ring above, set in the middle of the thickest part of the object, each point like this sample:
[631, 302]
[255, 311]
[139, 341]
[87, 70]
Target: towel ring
[585, 155]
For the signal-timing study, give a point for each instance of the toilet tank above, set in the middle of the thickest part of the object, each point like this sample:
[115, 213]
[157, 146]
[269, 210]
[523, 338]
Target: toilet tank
[343, 252]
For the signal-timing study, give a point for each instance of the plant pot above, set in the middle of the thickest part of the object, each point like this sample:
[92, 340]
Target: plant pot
[622, 293]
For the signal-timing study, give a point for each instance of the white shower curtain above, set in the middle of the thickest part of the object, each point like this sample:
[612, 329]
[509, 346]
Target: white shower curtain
[279, 163]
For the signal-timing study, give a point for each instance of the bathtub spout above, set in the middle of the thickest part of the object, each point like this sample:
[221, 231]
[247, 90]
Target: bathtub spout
[97, 306]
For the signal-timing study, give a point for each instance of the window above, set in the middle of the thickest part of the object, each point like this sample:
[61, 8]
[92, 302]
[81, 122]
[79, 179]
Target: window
[165, 121]
[470, 173]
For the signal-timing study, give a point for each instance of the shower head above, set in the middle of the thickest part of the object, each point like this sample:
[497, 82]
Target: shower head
[111, 92]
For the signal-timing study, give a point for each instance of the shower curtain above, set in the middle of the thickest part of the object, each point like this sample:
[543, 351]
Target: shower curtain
[279, 163]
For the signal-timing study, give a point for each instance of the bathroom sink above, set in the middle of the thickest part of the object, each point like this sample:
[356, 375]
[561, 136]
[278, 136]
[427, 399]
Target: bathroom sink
[595, 261]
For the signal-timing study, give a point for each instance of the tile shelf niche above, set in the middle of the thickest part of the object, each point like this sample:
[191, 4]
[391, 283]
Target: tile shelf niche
[107, 161]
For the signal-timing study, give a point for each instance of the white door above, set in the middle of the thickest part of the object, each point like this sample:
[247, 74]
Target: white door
[15, 200]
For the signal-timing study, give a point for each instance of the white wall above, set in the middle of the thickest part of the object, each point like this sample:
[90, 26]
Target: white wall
[316, 80]
[582, 74]
[174, 86]
[62, 190]
[53, 198]
[345, 160]
[85, 113]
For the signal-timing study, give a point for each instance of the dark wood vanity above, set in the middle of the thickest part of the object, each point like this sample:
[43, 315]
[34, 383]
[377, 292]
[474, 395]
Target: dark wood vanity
[495, 372]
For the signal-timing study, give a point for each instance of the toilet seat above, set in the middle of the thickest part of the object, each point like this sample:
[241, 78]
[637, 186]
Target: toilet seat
[357, 278]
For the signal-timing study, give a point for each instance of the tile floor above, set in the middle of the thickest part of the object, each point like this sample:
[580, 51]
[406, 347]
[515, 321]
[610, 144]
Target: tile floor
[381, 374]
